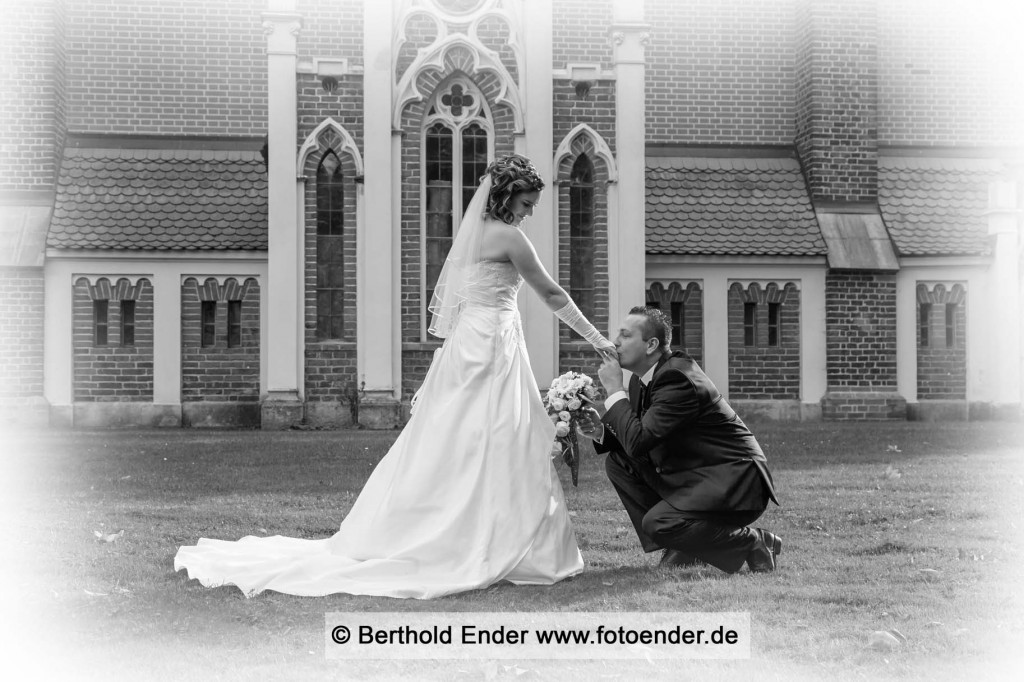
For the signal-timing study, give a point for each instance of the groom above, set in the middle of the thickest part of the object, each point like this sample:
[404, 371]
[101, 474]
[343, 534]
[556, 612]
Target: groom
[689, 472]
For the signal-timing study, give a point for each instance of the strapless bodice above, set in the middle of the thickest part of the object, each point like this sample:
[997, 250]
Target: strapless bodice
[493, 284]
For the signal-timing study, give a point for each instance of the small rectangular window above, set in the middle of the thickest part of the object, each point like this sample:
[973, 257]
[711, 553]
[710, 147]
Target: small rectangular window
[209, 322]
[99, 323]
[951, 325]
[127, 323]
[773, 324]
[678, 324]
[925, 323]
[749, 324]
[234, 324]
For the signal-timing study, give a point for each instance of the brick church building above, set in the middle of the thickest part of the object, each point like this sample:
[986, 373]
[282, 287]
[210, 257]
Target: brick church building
[234, 212]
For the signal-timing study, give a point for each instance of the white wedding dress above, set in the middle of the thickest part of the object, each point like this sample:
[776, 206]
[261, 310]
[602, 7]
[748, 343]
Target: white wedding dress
[467, 496]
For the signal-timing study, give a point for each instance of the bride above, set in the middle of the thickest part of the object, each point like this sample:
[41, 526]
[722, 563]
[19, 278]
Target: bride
[467, 496]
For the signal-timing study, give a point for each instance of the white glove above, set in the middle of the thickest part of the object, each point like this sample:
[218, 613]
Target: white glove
[573, 317]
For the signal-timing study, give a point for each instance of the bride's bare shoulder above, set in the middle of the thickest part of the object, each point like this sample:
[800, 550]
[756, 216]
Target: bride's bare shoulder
[500, 238]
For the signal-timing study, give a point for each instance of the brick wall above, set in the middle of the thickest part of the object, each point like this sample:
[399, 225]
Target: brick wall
[330, 365]
[185, 67]
[21, 333]
[942, 366]
[836, 98]
[763, 371]
[28, 107]
[720, 72]
[60, 77]
[418, 351]
[113, 373]
[580, 33]
[331, 29]
[219, 373]
[948, 74]
[690, 295]
[860, 328]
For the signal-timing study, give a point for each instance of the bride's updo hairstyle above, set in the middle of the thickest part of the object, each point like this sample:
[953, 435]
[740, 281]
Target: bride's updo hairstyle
[510, 175]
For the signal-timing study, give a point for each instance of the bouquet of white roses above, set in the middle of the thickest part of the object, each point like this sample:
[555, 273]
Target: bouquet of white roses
[565, 401]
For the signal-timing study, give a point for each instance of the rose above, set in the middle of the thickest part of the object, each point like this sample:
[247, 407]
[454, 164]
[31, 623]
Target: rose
[574, 404]
[557, 404]
[564, 416]
[561, 430]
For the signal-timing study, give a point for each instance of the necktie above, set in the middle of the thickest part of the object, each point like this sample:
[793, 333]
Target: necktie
[642, 406]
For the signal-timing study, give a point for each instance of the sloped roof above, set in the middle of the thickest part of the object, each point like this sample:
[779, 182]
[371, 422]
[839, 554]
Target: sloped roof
[185, 199]
[729, 206]
[936, 206]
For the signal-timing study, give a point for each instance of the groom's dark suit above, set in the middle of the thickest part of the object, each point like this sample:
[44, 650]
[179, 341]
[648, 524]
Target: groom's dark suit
[689, 472]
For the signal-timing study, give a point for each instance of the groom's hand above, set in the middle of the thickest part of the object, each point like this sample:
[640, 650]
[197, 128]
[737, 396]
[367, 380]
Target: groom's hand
[610, 374]
[590, 424]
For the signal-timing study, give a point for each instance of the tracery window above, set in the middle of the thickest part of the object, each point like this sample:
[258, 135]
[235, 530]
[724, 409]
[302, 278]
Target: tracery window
[457, 146]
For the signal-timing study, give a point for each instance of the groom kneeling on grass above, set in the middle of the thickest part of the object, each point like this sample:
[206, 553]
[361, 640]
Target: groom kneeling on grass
[689, 472]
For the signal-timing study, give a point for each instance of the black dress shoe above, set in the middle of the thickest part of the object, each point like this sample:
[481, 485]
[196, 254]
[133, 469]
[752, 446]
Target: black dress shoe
[773, 542]
[762, 558]
[675, 557]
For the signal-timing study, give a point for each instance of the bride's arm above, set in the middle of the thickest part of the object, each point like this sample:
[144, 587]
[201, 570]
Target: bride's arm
[524, 257]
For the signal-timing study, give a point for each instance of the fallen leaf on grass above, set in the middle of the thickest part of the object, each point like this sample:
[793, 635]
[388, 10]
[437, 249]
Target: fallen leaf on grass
[110, 537]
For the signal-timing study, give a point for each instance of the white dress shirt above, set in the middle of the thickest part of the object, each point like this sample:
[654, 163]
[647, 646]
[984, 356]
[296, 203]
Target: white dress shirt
[622, 395]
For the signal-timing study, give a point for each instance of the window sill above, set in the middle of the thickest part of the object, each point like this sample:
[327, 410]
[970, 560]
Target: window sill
[422, 345]
[333, 344]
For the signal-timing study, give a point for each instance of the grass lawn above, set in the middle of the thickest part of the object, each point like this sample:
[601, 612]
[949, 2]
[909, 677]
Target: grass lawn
[911, 526]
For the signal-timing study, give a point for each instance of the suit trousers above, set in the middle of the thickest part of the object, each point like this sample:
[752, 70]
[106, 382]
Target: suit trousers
[719, 538]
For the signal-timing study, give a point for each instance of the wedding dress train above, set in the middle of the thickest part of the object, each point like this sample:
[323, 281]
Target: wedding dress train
[466, 497]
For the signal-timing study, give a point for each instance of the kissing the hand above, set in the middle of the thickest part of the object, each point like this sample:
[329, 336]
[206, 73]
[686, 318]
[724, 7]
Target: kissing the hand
[610, 374]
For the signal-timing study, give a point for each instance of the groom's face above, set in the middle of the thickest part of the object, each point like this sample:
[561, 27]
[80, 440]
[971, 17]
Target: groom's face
[633, 350]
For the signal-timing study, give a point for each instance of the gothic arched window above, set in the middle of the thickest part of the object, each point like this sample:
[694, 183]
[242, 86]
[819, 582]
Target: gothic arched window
[330, 248]
[457, 146]
[581, 235]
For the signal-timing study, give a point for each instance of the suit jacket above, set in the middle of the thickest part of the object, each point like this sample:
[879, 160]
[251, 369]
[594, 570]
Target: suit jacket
[689, 445]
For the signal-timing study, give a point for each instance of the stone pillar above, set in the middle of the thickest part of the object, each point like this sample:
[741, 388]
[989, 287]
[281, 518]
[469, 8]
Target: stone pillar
[626, 234]
[282, 405]
[378, 340]
[716, 328]
[167, 339]
[540, 327]
[1004, 301]
[58, 342]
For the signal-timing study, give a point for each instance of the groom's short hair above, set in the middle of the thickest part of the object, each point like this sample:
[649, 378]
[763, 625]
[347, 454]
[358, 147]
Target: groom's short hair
[656, 325]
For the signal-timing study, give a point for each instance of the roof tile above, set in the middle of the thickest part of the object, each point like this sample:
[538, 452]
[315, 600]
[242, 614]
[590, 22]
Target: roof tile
[936, 206]
[729, 206]
[150, 199]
